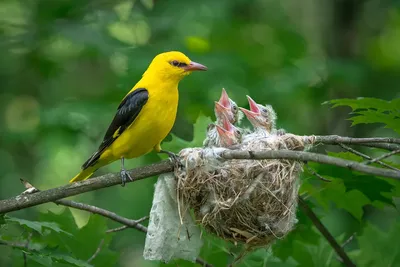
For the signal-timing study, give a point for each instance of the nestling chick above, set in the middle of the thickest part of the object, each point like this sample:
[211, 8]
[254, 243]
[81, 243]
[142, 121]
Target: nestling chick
[227, 134]
[263, 119]
[228, 107]
[225, 107]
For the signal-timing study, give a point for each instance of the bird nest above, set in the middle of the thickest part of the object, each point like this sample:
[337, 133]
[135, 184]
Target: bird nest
[246, 201]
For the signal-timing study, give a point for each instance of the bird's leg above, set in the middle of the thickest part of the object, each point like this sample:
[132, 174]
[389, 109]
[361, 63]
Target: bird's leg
[124, 174]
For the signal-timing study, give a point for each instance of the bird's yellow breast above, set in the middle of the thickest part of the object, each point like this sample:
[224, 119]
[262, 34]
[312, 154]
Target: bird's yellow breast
[152, 125]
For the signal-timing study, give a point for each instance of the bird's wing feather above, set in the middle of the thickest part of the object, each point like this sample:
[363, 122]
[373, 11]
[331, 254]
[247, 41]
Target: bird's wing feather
[127, 112]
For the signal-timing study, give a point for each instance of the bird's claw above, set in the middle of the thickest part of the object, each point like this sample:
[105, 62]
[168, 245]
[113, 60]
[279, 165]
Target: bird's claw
[125, 176]
[174, 158]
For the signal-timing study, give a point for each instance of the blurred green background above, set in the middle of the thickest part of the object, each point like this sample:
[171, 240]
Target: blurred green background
[65, 65]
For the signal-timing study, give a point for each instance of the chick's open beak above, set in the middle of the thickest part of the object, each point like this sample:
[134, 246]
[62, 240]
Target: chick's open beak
[220, 108]
[195, 66]
[249, 114]
[224, 100]
[253, 105]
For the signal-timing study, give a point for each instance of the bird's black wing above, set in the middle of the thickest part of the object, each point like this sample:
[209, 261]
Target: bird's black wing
[127, 112]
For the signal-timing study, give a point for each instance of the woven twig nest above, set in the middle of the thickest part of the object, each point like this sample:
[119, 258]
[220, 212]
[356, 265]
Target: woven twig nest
[246, 201]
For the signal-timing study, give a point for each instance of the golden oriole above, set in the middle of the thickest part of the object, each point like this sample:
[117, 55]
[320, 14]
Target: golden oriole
[145, 116]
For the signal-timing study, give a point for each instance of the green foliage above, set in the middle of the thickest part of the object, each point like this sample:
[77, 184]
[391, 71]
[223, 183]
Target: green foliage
[379, 247]
[37, 226]
[372, 110]
[62, 242]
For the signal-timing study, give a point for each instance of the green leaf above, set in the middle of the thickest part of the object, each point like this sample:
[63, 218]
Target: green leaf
[2, 219]
[200, 129]
[352, 201]
[365, 103]
[371, 186]
[44, 260]
[372, 110]
[70, 260]
[38, 226]
[370, 116]
[379, 248]
[90, 235]
[263, 257]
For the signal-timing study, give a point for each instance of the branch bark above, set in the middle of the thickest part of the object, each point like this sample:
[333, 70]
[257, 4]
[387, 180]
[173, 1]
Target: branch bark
[358, 153]
[111, 179]
[378, 142]
[308, 156]
[107, 180]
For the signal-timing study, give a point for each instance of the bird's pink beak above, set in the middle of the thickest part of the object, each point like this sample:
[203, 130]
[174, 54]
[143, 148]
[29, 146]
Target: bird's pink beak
[195, 66]
[226, 133]
[220, 108]
[253, 105]
[224, 100]
[254, 110]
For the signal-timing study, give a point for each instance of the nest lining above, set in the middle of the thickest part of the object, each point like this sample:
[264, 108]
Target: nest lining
[247, 201]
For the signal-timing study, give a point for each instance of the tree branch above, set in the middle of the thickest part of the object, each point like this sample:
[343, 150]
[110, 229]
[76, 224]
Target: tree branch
[336, 139]
[319, 176]
[358, 153]
[339, 250]
[111, 179]
[107, 180]
[378, 142]
[307, 156]
[384, 156]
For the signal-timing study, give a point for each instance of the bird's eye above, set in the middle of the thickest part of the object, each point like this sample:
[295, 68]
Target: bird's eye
[234, 107]
[264, 110]
[175, 63]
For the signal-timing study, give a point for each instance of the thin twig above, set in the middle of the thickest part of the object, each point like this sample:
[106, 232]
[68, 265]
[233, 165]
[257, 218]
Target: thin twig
[13, 244]
[318, 224]
[345, 243]
[319, 176]
[358, 153]
[384, 156]
[121, 228]
[26, 247]
[97, 251]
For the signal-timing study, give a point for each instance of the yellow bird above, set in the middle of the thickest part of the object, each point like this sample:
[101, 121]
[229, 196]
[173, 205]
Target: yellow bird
[145, 116]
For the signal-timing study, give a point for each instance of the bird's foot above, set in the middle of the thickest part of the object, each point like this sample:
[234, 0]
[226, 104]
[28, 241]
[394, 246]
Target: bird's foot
[174, 158]
[125, 176]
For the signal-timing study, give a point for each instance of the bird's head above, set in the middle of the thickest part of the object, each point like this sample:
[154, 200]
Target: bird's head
[260, 116]
[173, 65]
[228, 134]
[226, 107]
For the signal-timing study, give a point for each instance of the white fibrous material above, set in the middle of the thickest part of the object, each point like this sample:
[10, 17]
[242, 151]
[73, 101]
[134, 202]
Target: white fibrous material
[168, 237]
[247, 201]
